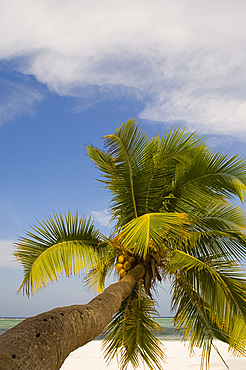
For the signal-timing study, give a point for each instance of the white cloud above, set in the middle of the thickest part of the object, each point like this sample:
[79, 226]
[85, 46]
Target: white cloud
[185, 59]
[16, 99]
[6, 254]
[102, 217]
[209, 112]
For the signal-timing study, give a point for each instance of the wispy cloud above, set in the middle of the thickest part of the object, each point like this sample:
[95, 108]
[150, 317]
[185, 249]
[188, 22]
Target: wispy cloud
[102, 217]
[185, 60]
[6, 254]
[16, 99]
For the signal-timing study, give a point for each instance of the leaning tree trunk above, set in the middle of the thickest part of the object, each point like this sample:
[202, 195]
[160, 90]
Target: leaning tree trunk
[43, 342]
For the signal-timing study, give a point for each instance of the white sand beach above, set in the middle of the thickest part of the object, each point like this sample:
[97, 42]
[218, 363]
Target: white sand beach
[90, 357]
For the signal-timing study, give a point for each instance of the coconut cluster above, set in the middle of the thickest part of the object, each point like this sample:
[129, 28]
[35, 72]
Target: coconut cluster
[125, 263]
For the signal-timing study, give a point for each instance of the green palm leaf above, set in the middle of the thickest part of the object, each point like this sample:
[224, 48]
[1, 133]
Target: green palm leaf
[69, 245]
[192, 317]
[103, 266]
[131, 333]
[178, 141]
[221, 308]
[126, 147]
[103, 160]
[217, 230]
[152, 227]
[209, 175]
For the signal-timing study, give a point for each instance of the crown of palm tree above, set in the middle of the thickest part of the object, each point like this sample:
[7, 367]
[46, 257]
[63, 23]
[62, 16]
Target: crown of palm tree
[172, 204]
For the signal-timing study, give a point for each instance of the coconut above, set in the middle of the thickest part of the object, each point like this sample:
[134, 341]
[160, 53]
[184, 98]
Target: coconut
[127, 265]
[121, 259]
[122, 272]
[118, 267]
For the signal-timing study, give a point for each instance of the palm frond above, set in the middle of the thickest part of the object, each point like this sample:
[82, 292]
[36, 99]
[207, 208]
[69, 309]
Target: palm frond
[127, 166]
[176, 147]
[224, 217]
[103, 266]
[215, 312]
[103, 160]
[217, 230]
[209, 175]
[126, 146]
[192, 317]
[69, 245]
[131, 333]
[229, 244]
[178, 142]
[226, 279]
[152, 227]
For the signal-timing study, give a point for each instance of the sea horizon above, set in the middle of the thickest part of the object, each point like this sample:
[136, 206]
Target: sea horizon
[166, 322]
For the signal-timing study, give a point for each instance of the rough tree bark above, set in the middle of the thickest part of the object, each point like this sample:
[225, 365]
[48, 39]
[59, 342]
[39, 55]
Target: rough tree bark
[43, 342]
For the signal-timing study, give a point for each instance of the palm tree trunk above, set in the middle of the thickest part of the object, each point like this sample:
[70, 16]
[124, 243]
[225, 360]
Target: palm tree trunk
[44, 341]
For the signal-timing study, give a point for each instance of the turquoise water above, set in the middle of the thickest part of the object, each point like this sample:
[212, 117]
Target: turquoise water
[166, 323]
[169, 331]
[8, 323]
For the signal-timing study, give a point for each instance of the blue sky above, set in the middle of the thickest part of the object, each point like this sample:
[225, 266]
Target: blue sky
[73, 71]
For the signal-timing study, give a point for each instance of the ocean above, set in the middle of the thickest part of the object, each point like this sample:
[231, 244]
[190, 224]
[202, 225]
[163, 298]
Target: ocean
[169, 331]
[7, 323]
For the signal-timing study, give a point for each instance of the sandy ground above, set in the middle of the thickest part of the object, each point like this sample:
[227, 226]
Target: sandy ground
[90, 357]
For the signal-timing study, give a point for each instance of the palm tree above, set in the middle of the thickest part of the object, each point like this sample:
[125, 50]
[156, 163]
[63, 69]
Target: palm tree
[174, 218]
